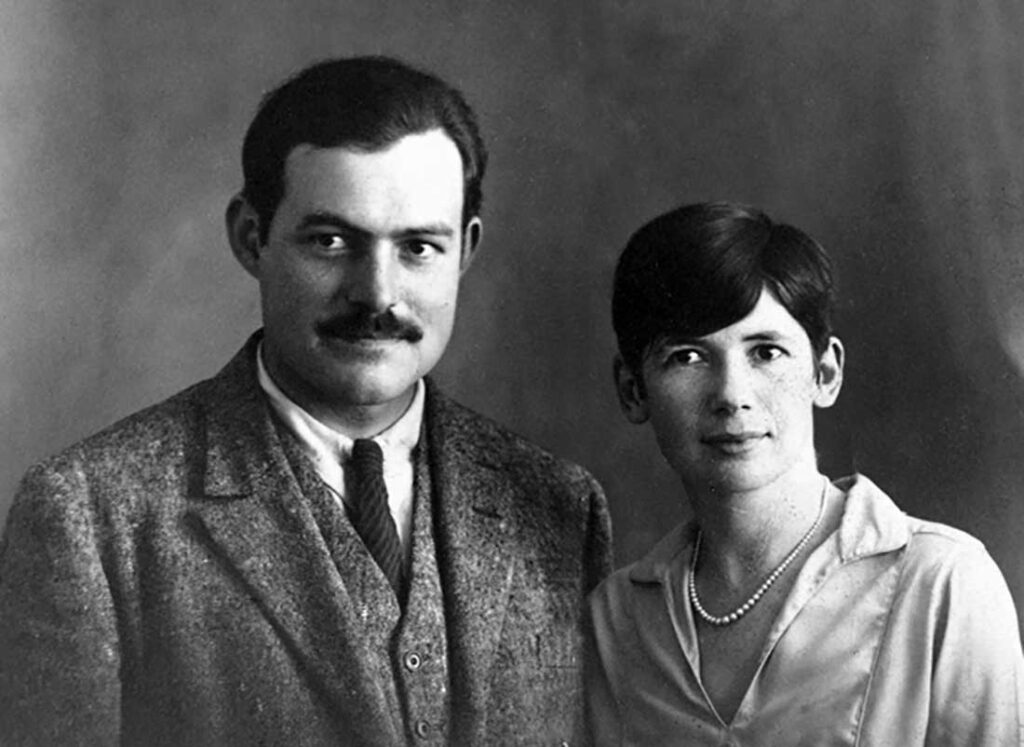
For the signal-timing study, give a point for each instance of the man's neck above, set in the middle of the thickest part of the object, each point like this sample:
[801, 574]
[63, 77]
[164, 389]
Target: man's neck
[353, 421]
[361, 421]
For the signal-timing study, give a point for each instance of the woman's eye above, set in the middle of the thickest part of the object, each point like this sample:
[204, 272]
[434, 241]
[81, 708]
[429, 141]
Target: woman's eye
[685, 357]
[768, 352]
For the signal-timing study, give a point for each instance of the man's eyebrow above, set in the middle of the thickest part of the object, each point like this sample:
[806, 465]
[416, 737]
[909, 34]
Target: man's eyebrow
[325, 218]
[428, 229]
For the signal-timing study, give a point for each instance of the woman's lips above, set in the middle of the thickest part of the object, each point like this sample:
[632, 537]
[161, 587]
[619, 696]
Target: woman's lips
[737, 442]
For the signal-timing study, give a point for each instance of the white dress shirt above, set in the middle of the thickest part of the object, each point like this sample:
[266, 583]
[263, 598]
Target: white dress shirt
[330, 449]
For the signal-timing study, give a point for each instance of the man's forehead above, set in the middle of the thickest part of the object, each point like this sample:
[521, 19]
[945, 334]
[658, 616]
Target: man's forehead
[419, 175]
[409, 156]
[434, 139]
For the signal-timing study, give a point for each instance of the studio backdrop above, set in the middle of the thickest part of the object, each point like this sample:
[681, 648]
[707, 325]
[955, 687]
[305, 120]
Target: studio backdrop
[891, 131]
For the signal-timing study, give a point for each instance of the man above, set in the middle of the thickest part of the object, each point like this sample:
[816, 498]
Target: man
[792, 610]
[315, 546]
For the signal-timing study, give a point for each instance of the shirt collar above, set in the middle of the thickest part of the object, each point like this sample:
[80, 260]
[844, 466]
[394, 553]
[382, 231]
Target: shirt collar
[871, 525]
[322, 441]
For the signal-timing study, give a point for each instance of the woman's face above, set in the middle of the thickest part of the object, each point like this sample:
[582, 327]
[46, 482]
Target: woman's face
[733, 410]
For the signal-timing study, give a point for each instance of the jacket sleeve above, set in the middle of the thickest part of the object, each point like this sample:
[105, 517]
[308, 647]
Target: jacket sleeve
[59, 654]
[598, 561]
[597, 564]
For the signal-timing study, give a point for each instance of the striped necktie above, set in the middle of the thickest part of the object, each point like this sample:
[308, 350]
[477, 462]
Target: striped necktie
[370, 514]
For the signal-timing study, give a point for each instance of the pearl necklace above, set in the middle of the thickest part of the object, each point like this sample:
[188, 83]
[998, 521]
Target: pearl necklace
[744, 608]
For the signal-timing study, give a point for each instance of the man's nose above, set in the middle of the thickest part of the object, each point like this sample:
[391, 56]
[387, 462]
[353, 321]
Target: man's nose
[372, 280]
[734, 387]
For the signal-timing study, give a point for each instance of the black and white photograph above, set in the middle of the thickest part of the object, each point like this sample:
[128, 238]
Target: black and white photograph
[608, 372]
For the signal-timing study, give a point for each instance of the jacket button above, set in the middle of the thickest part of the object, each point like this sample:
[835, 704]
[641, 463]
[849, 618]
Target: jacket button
[412, 661]
[422, 729]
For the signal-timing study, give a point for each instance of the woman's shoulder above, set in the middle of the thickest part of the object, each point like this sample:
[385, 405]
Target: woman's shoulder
[948, 557]
[616, 597]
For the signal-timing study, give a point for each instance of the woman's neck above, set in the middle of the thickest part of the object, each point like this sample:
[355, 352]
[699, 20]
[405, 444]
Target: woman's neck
[745, 535]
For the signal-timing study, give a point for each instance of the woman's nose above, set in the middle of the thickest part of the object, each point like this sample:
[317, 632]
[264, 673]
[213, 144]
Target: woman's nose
[733, 390]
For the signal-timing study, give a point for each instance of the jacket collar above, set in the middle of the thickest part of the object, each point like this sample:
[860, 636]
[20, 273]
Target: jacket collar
[475, 525]
[238, 430]
[253, 515]
[253, 512]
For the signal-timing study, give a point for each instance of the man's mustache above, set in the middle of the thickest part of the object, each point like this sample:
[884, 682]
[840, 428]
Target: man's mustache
[369, 326]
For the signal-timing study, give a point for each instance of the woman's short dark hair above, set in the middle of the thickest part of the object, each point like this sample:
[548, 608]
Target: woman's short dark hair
[702, 267]
[367, 103]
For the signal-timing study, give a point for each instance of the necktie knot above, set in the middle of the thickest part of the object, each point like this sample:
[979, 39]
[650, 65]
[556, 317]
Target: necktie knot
[367, 456]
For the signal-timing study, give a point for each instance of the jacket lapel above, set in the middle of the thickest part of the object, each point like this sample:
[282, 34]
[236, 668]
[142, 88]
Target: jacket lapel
[255, 517]
[474, 528]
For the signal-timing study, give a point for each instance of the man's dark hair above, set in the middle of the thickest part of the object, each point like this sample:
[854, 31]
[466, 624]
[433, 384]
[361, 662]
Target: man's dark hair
[364, 103]
[702, 267]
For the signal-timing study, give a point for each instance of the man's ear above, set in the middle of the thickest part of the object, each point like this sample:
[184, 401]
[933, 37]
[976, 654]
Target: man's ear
[630, 388]
[471, 236]
[830, 374]
[243, 226]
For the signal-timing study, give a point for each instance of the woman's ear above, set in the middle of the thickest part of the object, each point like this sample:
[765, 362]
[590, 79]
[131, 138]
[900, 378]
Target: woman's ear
[630, 388]
[830, 374]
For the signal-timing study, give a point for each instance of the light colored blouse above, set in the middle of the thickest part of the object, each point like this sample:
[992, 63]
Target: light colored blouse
[897, 632]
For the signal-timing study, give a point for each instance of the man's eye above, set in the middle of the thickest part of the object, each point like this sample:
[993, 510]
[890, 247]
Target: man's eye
[421, 248]
[767, 353]
[330, 242]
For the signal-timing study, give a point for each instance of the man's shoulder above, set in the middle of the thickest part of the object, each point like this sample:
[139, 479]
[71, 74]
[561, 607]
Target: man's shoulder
[155, 437]
[489, 442]
[156, 433]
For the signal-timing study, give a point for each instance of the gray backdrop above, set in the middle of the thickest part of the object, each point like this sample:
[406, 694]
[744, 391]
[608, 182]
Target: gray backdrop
[892, 131]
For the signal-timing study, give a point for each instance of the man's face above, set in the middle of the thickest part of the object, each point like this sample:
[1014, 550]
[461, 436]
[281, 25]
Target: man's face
[360, 272]
[733, 411]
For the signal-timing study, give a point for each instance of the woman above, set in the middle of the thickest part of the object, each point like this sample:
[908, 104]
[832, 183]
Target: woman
[792, 610]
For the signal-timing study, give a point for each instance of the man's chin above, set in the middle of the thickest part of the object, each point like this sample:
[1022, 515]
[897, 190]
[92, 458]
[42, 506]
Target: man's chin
[368, 374]
[372, 386]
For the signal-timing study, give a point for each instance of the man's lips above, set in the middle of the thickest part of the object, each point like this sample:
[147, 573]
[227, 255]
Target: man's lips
[362, 338]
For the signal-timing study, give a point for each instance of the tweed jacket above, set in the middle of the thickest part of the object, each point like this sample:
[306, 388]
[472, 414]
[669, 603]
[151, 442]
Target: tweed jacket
[165, 582]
